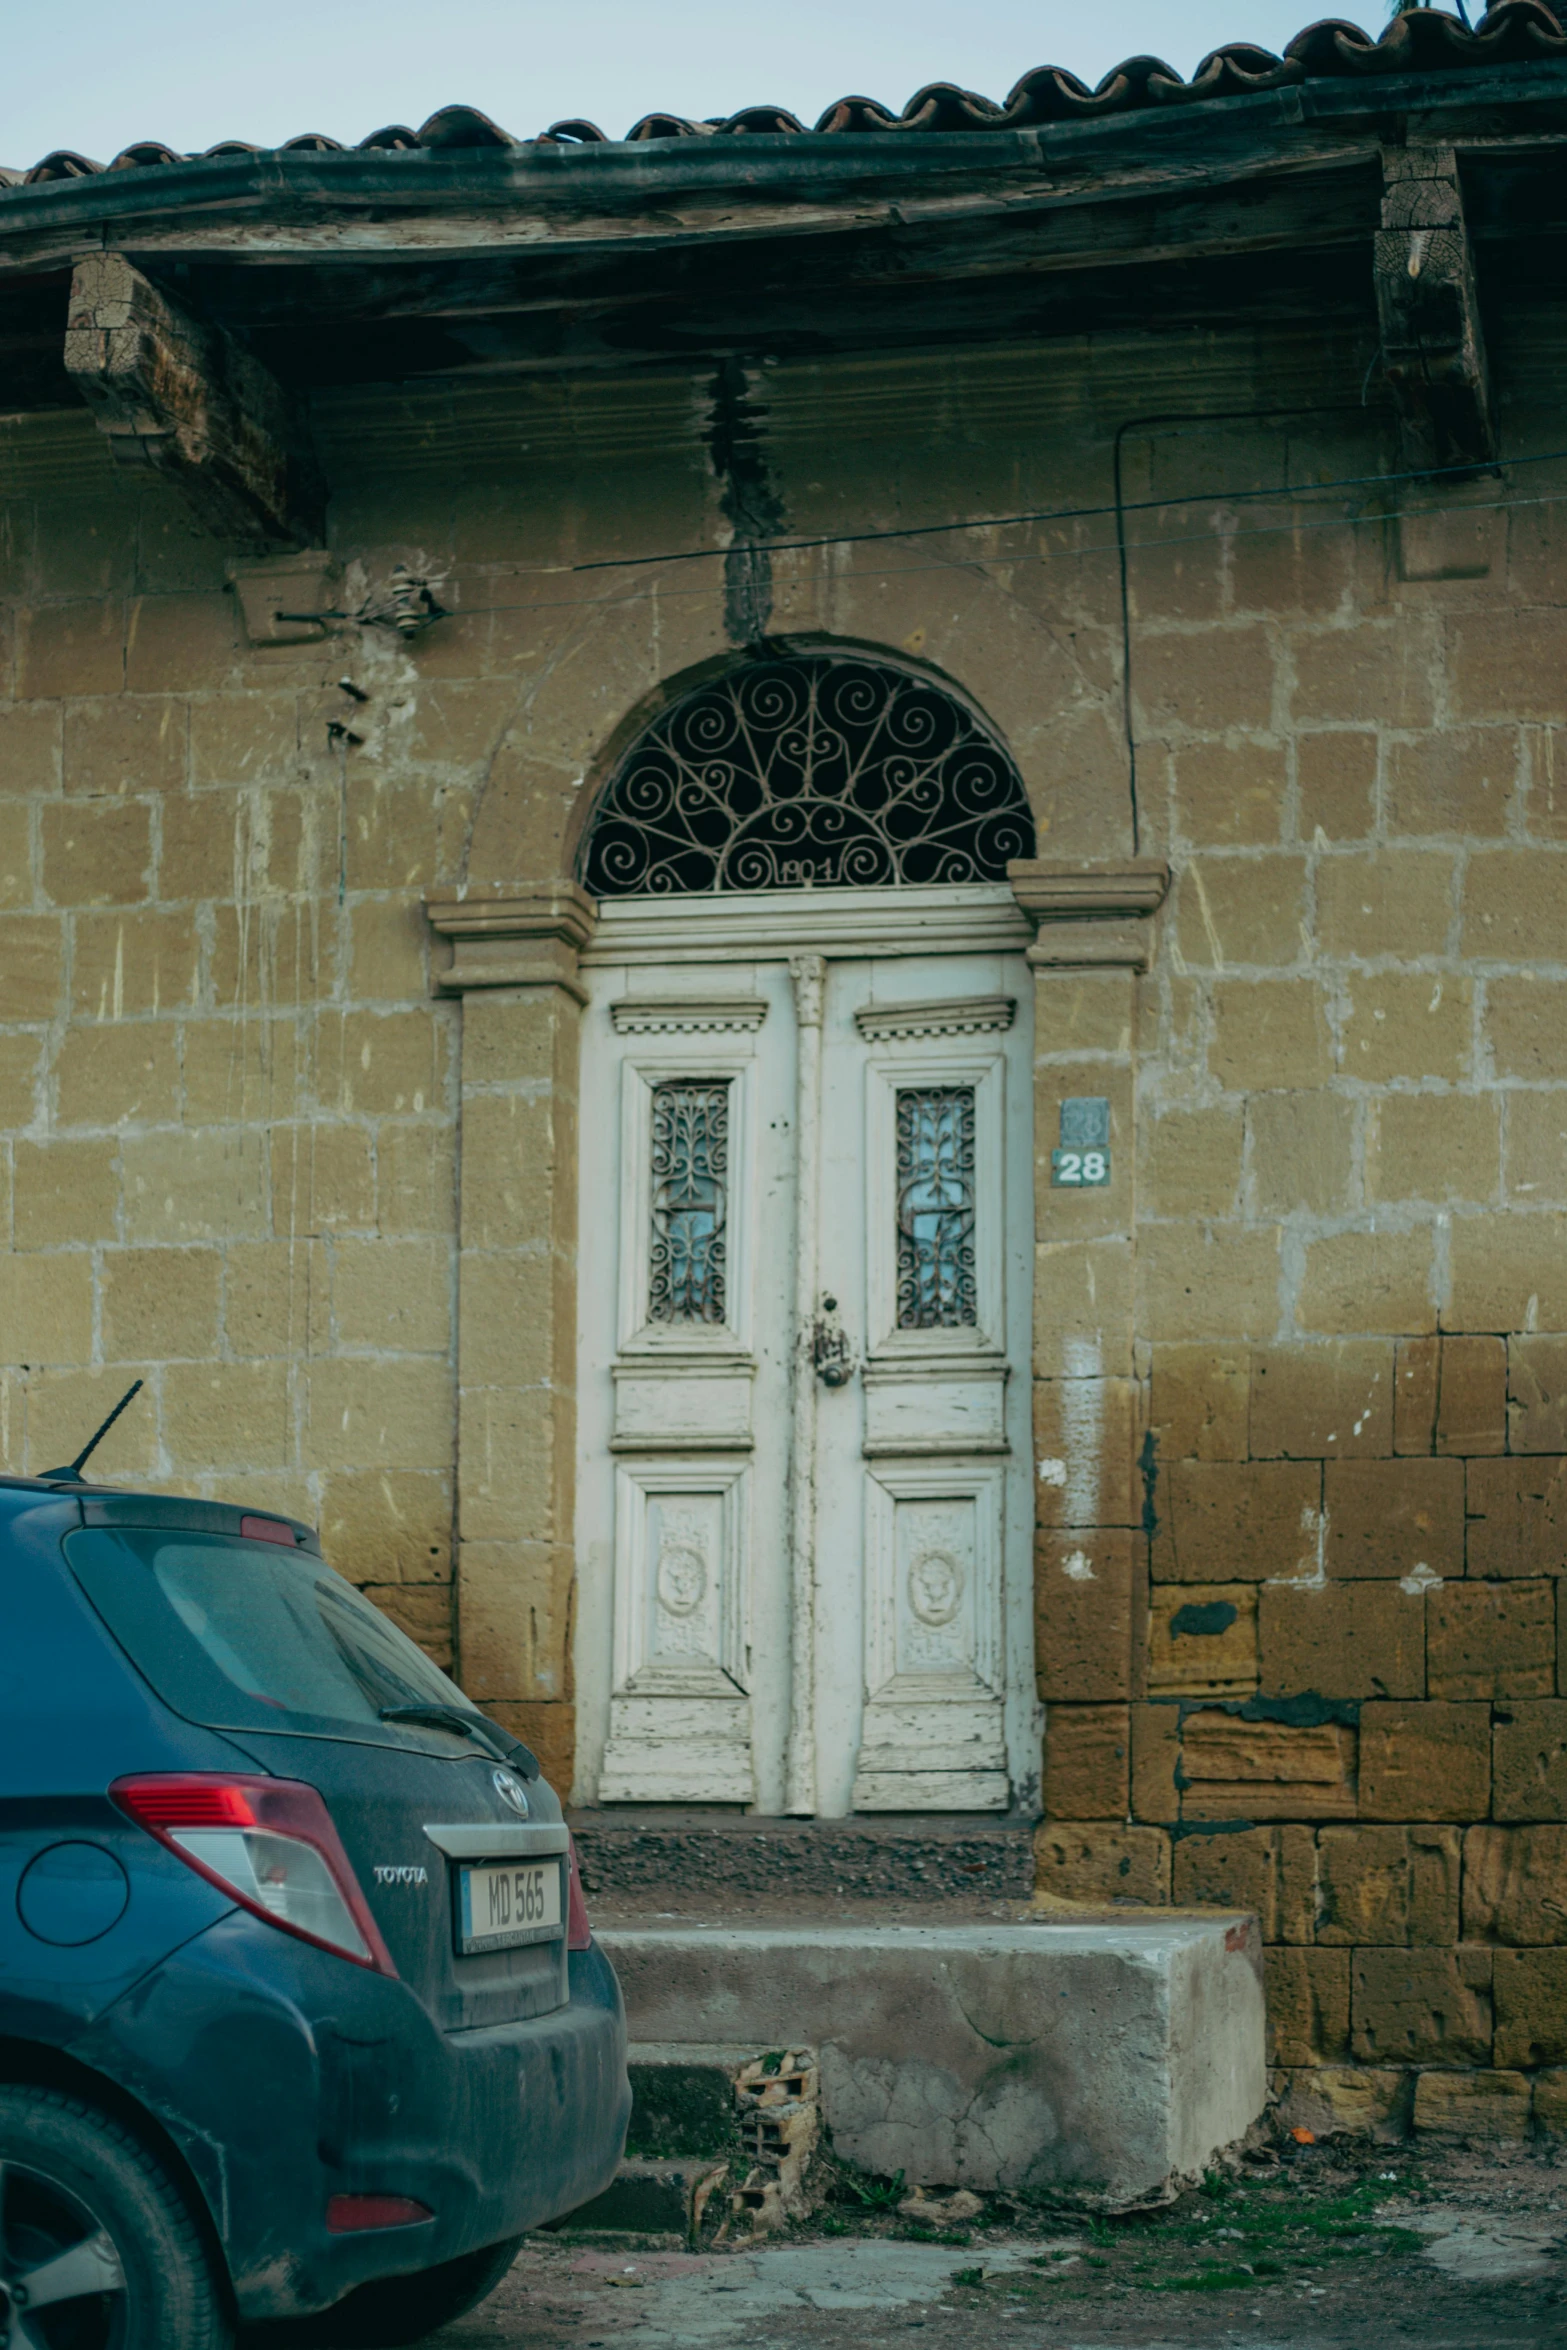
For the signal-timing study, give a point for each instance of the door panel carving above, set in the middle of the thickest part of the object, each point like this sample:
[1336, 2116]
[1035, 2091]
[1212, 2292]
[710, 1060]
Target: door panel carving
[679, 1721]
[933, 1641]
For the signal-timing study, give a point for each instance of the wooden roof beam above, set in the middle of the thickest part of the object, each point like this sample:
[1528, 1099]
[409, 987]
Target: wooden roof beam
[175, 393]
[1433, 350]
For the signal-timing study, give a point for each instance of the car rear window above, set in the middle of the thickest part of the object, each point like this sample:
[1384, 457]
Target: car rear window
[249, 1636]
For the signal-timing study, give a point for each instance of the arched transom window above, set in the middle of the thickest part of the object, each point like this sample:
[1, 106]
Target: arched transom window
[817, 772]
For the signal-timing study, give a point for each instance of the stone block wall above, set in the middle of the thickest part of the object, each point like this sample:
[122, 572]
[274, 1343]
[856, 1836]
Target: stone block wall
[1350, 1714]
[249, 1150]
[1311, 1653]
[227, 1100]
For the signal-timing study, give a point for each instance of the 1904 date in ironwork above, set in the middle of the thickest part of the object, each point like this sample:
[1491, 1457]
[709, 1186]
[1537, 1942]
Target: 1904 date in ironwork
[811, 773]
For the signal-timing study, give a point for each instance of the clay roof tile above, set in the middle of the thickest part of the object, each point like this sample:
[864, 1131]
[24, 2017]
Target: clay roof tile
[1424, 40]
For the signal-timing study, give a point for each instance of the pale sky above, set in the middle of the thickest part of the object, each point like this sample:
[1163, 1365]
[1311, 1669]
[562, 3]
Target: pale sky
[98, 74]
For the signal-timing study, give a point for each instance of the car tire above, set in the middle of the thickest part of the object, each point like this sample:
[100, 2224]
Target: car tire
[86, 2206]
[395, 2310]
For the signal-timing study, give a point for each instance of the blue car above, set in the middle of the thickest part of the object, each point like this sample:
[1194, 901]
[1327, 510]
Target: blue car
[299, 2006]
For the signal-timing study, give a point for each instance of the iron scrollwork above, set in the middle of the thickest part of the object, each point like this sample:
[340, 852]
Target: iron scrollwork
[936, 1286]
[690, 1167]
[819, 773]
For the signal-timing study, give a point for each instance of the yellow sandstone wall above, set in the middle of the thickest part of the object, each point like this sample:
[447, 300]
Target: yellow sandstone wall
[227, 1098]
[1301, 1370]
[1311, 1657]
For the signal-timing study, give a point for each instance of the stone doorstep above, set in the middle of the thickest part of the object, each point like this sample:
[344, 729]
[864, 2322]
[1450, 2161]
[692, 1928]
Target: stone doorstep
[1098, 2059]
[635, 1858]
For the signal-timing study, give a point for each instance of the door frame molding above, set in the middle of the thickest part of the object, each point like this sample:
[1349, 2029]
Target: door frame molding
[514, 954]
[768, 926]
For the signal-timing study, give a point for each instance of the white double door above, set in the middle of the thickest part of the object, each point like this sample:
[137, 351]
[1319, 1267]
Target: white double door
[803, 1410]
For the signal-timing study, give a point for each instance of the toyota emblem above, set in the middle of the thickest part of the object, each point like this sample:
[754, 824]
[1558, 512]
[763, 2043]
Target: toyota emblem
[510, 1792]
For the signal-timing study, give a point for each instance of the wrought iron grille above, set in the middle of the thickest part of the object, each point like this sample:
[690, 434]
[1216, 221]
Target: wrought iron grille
[936, 1208]
[690, 1170]
[824, 773]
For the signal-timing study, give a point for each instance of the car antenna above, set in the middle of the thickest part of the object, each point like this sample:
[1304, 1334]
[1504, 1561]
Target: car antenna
[74, 1471]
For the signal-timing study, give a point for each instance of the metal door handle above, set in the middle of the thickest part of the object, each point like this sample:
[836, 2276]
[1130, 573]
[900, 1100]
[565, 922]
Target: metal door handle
[832, 1355]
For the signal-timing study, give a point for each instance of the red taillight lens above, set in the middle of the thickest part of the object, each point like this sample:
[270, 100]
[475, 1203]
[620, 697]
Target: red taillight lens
[578, 1932]
[266, 1530]
[186, 1802]
[267, 1843]
[345, 2213]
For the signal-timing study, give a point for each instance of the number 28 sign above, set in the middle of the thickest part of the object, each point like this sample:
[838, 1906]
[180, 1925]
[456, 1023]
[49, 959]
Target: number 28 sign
[1083, 1159]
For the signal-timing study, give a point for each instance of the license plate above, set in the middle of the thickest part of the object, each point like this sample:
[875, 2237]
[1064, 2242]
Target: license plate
[503, 1903]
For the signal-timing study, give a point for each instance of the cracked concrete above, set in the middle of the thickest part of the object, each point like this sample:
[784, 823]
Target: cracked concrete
[1488, 2247]
[1098, 2059]
[1318, 2248]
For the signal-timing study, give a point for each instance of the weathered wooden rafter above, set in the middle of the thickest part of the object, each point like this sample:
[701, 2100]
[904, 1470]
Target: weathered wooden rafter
[1433, 349]
[175, 393]
[328, 270]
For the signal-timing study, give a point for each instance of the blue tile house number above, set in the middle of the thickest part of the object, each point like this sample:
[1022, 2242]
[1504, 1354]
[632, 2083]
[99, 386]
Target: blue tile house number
[1083, 1160]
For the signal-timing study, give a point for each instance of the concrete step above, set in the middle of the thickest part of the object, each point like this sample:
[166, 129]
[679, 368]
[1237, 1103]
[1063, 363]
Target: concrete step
[664, 2199]
[683, 2098]
[1100, 2059]
[710, 2118]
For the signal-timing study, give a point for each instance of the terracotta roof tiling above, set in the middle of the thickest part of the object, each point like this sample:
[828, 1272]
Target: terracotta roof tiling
[1425, 40]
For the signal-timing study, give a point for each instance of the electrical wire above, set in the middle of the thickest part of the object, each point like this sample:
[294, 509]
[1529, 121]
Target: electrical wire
[1117, 507]
[1009, 562]
[920, 530]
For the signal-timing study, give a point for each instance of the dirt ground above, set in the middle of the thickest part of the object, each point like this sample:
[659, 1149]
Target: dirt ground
[1325, 2247]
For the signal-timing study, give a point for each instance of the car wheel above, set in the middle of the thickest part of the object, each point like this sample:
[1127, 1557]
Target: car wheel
[98, 2247]
[394, 2310]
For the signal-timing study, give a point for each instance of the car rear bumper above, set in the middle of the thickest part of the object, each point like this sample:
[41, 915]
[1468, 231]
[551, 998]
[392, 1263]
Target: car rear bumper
[309, 2078]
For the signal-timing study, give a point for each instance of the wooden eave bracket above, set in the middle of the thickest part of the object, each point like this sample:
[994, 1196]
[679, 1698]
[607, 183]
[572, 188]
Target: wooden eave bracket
[1433, 349]
[175, 393]
[532, 936]
[1090, 915]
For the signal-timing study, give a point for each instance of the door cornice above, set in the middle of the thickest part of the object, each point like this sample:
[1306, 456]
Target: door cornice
[1068, 914]
[1090, 915]
[527, 937]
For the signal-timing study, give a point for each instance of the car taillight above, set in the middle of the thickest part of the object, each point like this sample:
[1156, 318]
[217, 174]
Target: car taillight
[578, 1932]
[270, 1845]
